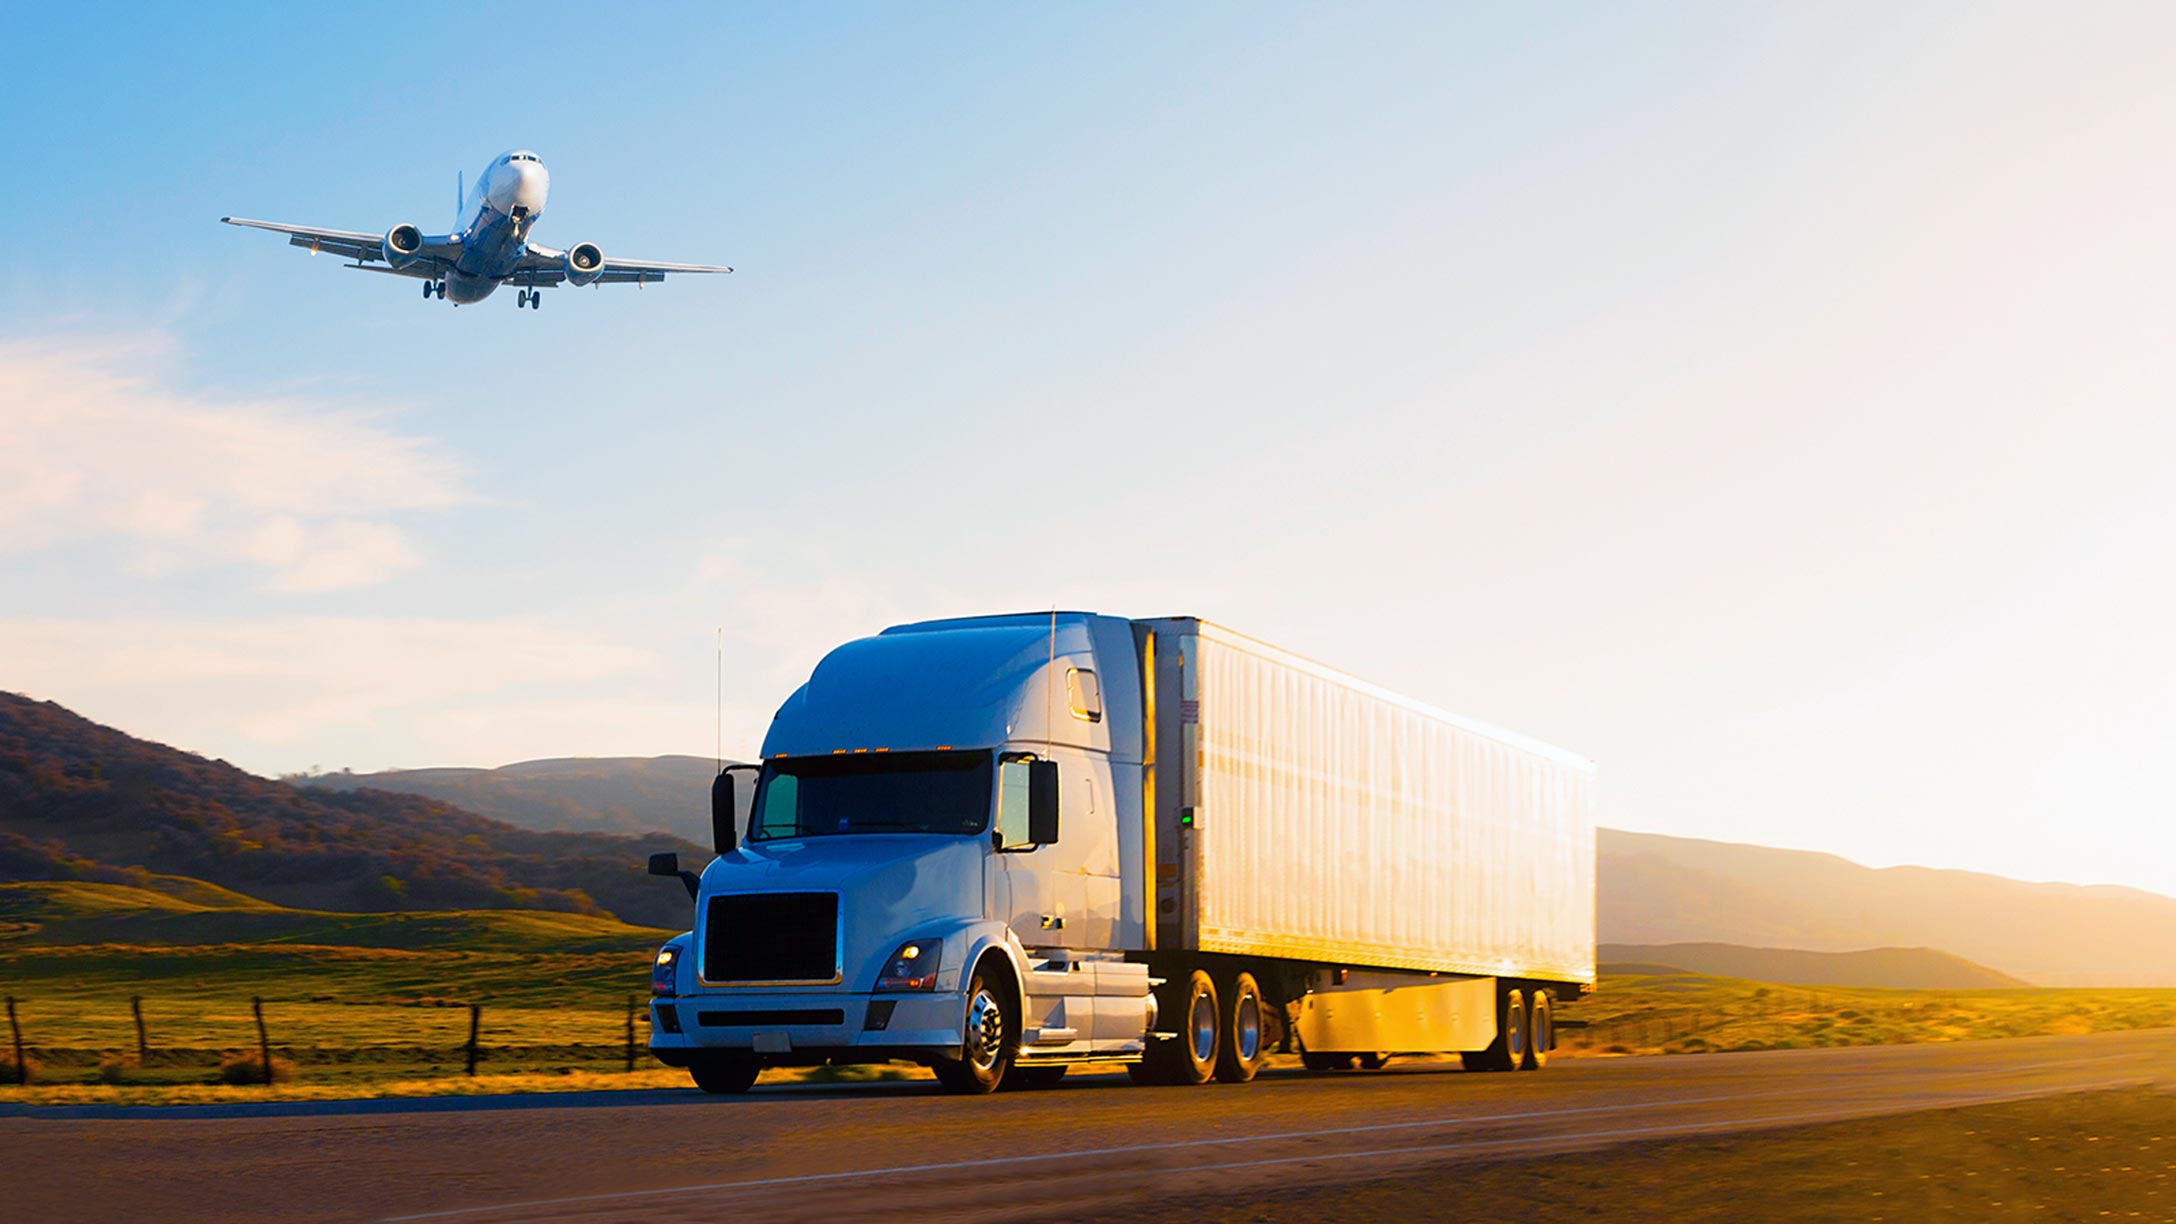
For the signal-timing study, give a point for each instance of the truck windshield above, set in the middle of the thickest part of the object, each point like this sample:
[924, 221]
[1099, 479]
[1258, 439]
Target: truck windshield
[893, 792]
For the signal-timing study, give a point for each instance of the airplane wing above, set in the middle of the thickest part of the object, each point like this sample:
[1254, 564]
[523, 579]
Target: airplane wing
[352, 244]
[544, 268]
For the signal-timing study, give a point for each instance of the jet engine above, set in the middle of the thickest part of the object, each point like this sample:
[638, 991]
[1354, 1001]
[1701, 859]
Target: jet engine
[585, 263]
[401, 244]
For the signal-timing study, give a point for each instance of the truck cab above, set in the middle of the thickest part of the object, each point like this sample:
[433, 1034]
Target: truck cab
[932, 866]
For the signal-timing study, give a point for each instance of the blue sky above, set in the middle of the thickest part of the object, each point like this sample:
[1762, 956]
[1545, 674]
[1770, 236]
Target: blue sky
[1773, 404]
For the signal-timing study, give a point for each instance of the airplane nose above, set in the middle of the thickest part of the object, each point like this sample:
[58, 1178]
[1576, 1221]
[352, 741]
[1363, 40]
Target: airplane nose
[530, 186]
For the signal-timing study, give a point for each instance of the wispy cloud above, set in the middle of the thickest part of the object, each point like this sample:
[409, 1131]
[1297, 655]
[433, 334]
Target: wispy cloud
[100, 447]
[272, 693]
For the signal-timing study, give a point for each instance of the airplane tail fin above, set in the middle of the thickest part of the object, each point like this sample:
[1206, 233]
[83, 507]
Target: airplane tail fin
[460, 193]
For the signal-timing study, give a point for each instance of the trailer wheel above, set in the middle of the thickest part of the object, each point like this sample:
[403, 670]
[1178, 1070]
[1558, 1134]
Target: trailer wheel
[1241, 1048]
[1190, 1057]
[991, 1035]
[1374, 1060]
[1540, 1033]
[725, 1074]
[1508, 1051]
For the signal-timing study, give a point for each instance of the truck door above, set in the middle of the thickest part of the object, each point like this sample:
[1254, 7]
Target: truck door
[1035, 889]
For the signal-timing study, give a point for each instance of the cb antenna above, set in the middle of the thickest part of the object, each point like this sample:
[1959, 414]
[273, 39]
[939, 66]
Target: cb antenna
[721, 699]
[1050, 683]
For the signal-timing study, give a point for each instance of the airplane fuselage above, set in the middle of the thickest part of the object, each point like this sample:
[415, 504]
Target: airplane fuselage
[494, 224]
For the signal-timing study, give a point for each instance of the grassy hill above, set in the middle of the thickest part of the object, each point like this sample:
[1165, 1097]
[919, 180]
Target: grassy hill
[84, 802]
[633, 795]
[1897, 968]
[1666, 890]
[80, 912]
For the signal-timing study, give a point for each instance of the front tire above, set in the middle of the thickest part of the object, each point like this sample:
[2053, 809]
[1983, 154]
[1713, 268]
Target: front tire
[988, 1041]
[725, 1074]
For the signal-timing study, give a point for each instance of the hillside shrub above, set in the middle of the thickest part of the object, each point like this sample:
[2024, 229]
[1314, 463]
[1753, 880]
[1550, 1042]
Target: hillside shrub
[248, 1068]
[8, 1077]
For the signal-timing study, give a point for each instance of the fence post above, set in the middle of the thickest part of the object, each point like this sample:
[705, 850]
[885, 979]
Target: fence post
[143, 1044]
[22, 1067]
[264, 1040]
[475, 1022]
[630, 1032]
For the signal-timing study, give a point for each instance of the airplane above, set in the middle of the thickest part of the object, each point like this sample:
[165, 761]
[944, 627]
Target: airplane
[489, 248]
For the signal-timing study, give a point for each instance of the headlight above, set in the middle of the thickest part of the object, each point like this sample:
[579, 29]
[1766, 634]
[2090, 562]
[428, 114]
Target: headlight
[913, 966]
[665, 971]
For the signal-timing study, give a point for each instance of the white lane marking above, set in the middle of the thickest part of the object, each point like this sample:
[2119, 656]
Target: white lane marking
[1134, 1149]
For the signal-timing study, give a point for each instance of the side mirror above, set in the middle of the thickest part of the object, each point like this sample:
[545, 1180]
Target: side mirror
[1042, 802]
[668, 864]
[721, 806]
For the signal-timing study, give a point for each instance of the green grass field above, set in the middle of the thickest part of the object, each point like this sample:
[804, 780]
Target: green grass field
[378, 1003]
[1684, 1013]
[355, 1001]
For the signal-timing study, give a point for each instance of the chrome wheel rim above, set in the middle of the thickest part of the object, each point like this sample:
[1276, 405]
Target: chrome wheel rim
[985, 1031]
[1204, 1022]
[1515, 1029]
[1542, 1023]
[1248, 1028]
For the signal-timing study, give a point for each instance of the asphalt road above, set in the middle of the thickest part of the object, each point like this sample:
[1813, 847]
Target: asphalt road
[1096, 1144]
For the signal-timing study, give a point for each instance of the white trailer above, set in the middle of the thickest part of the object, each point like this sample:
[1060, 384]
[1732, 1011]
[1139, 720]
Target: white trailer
[1321, 825]
[1006, 846]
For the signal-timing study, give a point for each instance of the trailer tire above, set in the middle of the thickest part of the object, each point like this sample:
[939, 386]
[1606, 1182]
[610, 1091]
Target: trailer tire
[1508, 1051]
[725, 1074]
[1191, 1057]
[1241, 1046]
[990, 1036]
[1540, 1032]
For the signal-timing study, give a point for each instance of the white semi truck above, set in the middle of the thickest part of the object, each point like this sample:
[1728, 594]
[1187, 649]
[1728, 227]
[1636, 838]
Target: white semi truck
[1005, 846]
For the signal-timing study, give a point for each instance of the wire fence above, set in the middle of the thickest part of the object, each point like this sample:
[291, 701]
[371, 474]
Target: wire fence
[67, 1037]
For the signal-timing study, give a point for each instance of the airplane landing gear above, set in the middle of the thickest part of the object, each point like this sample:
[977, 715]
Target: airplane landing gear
[522, 300]
[434, 288]
[532, 298]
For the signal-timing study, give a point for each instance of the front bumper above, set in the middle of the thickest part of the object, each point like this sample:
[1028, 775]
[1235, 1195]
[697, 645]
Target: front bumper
[787, 1029]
